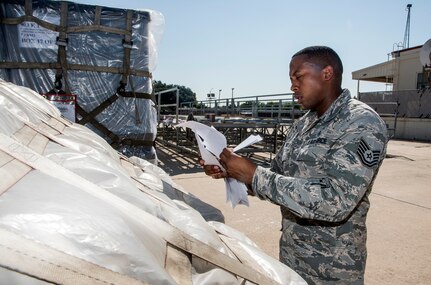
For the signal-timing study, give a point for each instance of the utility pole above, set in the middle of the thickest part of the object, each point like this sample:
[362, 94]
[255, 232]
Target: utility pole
[406, 42]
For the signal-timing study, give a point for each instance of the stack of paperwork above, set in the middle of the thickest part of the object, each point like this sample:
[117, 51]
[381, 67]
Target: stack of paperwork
[211, 144]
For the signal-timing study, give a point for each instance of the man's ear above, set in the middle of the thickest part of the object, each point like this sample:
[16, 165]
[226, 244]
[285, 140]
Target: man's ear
[328, 72]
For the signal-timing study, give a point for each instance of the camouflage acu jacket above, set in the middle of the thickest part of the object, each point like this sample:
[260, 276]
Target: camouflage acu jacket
[321, 178]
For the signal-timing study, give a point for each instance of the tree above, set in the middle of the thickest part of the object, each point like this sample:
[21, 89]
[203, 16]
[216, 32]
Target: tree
[186, 94]
[246, 104]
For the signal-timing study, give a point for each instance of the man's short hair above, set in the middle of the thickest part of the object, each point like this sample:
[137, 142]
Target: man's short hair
[323, 56]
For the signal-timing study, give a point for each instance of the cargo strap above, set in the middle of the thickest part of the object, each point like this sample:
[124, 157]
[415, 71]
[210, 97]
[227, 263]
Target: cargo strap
[62, 43]
[42, 262]
[127, 45]
[96, 111]
[104, 130]
[116, 141]
[80, 67]
[138, 95]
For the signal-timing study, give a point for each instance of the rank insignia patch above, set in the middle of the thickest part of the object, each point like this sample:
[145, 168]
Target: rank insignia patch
[368, 157]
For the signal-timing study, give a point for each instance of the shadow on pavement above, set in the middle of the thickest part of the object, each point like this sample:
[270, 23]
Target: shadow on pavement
[175, 162]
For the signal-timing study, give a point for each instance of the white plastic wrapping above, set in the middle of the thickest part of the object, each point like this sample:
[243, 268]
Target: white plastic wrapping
[79, 224]
[127, 117]
[46, 208]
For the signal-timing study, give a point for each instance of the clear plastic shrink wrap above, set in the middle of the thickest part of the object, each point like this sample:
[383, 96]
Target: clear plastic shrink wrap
[93, 66]
[54, 209]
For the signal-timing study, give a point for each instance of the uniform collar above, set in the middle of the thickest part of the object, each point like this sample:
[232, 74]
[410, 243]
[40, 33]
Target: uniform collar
[340, 102]
[311, 118]
[337, 105]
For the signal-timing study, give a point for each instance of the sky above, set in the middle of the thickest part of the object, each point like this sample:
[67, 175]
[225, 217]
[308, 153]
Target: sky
[212, 45]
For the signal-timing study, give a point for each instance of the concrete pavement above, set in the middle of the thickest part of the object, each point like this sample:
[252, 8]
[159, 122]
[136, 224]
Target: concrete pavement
[399, 221]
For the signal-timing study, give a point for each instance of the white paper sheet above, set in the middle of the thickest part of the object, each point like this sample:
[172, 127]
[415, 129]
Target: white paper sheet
[252, 139]
[211, 144]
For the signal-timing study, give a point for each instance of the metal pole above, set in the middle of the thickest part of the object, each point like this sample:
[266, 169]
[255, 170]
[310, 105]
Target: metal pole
[158, 106]
[357, 90]
[280, 106]
[232, 102]
[178, 102]
[406, 42]
[218, 101]
[256, 111]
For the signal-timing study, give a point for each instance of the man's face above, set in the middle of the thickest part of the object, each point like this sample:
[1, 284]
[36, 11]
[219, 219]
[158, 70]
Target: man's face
[307, 82]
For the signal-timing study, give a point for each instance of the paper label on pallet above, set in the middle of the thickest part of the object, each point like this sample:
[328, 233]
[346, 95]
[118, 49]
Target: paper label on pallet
[68, 111]
[65, 103]
[31, 35]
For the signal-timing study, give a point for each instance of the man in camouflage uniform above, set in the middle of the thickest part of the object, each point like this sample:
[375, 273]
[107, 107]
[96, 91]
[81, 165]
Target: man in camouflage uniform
[323, 174]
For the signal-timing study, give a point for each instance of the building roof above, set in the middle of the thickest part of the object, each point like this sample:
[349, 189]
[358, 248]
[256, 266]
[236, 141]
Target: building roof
[397, 52]
[381, 72]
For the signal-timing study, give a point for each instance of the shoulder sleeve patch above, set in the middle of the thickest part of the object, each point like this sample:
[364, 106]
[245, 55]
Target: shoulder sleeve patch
[367, 156]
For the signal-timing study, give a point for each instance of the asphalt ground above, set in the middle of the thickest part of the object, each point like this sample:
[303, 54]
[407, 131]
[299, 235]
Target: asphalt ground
[399, 221]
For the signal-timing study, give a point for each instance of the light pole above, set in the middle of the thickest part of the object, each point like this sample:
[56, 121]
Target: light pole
[219, 91]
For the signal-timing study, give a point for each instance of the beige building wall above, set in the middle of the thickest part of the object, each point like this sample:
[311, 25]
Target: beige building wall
[405, 65]
[408, 67]
[410, 128]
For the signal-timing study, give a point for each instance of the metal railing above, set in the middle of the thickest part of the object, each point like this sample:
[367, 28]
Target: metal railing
[162, 106]
[394, 114]
[276, 106]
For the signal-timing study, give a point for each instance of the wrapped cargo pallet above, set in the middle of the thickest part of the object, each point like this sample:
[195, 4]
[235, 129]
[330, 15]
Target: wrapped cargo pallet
[74, 211]
[102, 55]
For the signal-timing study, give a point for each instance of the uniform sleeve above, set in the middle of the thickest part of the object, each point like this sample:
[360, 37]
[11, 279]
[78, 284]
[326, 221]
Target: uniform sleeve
[348, 170]
[276, 163]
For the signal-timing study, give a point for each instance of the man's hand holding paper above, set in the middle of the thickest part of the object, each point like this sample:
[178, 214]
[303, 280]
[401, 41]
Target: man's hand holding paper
[237, 166]
[215, 157]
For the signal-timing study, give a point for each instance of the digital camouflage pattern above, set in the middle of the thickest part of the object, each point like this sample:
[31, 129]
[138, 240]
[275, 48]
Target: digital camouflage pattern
[321, 178]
